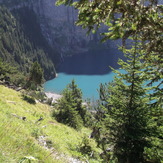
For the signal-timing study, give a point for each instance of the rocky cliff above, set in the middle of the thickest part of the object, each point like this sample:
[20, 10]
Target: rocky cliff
[58, 27]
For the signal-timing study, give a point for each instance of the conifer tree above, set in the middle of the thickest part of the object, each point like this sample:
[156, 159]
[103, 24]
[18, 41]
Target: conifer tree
[35, 77]
[125, 127]
[10, 74]
[70, 107]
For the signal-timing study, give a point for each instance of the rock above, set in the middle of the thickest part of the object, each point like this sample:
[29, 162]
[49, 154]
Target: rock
[13, 102]
[53, 96]
[24, 118]
[14, 115]
[40, 119]
[19, 88]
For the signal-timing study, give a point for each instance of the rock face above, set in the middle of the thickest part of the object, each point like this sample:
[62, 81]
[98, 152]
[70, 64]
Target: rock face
[58, 27]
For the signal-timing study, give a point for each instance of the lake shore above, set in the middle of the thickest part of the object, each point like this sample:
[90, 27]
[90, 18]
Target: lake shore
[54, 96]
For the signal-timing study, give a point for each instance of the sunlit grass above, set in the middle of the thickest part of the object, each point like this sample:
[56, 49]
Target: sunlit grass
[19, 138]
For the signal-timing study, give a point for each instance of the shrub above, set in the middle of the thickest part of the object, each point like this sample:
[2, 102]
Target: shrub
[88, 147]
[70, 107]
[29, 99]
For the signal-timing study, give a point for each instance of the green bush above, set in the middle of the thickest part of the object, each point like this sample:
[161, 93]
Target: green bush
[29, 99]
[70, 109]
[88, 147]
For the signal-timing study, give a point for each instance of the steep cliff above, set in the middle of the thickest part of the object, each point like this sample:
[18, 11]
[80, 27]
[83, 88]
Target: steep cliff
[58, 27]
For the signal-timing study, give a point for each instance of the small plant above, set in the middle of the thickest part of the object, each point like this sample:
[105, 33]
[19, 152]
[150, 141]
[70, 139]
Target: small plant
[29, 99]
[88, 147]
[36, 132]
[49, 143]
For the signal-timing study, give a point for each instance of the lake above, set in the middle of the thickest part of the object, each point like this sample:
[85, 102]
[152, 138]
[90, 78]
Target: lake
[88, 70]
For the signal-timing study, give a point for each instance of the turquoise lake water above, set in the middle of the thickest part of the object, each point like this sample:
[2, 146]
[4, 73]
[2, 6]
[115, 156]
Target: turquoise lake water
[88, 71]
[87, 83]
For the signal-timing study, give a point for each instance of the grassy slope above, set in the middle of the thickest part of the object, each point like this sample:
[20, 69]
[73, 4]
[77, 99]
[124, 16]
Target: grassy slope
[19, 138]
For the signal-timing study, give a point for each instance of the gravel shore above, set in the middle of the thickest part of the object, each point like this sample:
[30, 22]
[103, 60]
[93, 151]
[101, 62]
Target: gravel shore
[54, 96]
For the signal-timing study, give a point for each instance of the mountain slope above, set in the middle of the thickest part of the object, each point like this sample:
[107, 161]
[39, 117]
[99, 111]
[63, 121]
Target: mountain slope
[17, 45]
[45, 140]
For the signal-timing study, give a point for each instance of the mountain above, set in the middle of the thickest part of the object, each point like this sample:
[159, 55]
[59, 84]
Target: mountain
[39, 30]
[21, 46]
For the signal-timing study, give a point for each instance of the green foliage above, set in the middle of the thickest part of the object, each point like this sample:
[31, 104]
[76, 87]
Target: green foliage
[37, 94]
[88, 147]
[29, 99]
[36, 132]
[35, 76]
[10, 74]
[70, 108]
[126, 124]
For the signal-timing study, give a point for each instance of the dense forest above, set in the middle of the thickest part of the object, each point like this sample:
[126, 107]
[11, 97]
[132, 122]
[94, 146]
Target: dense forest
[22, 43]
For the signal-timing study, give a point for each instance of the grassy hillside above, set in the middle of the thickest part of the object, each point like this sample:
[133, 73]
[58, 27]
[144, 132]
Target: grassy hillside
[41, 141]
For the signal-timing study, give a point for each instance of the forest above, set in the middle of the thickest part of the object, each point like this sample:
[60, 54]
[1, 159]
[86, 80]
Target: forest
[20, 46]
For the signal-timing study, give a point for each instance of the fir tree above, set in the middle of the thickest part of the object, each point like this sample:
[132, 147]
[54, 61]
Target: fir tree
[35, 76]
[70, 107]
[10, 74]
[125, 124]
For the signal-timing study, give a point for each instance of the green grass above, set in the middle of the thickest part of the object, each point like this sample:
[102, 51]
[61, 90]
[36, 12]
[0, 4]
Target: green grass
[19, 138]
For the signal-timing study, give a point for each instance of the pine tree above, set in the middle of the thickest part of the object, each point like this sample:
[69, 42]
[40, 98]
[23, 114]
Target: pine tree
[35, 76]
[10, 74]
[125, 125]
[70, 107]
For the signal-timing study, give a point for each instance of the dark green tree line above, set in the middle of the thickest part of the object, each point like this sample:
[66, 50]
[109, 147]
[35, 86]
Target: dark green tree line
[18, 47]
